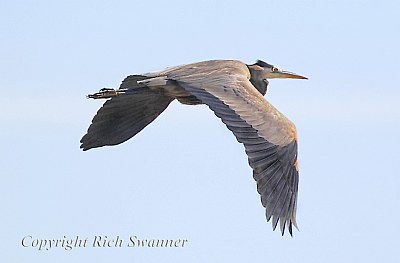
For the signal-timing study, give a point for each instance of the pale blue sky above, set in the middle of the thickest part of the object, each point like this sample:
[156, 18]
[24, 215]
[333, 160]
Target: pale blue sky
[185, 176]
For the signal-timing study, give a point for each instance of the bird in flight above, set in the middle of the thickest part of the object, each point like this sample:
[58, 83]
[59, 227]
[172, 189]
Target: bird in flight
[235, 93]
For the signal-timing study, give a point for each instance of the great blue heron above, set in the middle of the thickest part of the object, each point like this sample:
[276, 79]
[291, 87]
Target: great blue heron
[234, 92]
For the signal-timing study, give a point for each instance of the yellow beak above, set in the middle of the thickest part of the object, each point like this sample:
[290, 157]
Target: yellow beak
[285, 75]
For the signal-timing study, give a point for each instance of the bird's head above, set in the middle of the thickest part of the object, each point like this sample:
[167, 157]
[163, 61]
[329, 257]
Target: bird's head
[268, 71]
[261, 71]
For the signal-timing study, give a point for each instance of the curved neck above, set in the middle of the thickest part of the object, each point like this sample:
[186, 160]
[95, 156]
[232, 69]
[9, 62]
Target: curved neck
[260, 85]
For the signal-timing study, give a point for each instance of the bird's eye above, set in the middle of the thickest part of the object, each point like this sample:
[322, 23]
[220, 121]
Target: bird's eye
[274, 69]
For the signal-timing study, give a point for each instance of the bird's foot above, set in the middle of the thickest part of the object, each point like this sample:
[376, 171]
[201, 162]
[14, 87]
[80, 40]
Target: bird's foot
[105, 93]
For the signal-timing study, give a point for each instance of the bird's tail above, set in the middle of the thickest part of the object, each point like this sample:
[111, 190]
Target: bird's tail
[130, 109]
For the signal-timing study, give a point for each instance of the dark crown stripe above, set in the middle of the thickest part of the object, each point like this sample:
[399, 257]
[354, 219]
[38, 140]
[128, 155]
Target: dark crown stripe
[263, 64]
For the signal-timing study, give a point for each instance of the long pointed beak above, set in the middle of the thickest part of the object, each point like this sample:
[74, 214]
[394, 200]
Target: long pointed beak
[286, 75]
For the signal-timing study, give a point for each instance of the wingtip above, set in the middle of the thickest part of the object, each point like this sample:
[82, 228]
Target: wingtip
[283, 228]
[290, 230]
[289, 223]
[83, 146]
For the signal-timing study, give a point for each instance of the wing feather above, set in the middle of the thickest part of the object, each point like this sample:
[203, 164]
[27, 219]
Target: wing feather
[123, 116]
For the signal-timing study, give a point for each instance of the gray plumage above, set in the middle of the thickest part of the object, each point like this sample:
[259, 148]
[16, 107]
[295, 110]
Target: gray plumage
[234, 92]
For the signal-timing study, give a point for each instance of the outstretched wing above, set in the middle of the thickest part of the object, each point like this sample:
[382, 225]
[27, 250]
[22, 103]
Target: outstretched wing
[123, 116]
[268, 137]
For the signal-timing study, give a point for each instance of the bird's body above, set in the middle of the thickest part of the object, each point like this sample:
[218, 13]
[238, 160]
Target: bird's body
[234, 91]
